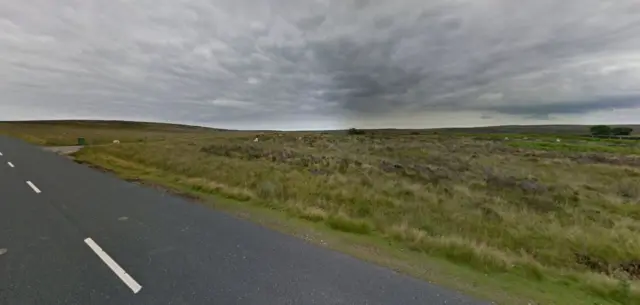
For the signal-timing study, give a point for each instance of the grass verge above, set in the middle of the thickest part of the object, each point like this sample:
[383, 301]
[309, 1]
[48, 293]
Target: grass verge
[543, 287]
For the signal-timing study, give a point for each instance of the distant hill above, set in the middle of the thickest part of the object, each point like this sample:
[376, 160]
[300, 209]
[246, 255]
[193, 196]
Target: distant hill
[504, 129]
[531, 129]
[112, 124]
[508, 129]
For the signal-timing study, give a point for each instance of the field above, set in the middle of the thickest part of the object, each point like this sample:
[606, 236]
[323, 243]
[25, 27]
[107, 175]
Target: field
[528, 220]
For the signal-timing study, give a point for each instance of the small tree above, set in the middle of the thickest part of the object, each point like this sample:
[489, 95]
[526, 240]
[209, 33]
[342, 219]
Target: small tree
[621, 131]
[601, 130]
[354, 131]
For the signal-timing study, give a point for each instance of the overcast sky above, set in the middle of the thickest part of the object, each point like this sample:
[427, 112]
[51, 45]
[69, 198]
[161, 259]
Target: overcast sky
[303, 64]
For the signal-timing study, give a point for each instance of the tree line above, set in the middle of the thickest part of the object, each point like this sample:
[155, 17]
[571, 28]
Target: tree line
[604, 130]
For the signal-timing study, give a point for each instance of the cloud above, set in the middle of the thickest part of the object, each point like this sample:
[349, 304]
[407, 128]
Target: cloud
[573, 107]
[323, 63]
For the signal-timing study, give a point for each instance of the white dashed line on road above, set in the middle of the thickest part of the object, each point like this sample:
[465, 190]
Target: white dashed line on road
[35, 188]
[10, 164]
[0, 154]
[126, 278]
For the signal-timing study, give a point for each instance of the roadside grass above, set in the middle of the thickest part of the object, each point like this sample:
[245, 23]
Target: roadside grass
[499, 287]
[512, 221]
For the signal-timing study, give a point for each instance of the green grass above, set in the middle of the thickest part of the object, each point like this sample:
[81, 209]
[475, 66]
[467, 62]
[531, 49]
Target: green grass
[610, 146]
[513, 221]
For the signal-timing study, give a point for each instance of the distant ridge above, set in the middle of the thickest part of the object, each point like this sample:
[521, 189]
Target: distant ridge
[499, 129]
[113, 123]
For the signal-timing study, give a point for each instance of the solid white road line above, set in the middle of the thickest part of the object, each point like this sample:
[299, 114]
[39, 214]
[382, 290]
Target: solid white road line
[35, 188]
[135, 287]
[10, 164]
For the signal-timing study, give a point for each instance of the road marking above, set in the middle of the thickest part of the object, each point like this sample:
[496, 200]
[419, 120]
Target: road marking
[35, 188]
[126, 278]
[0, 154]
[10, 164]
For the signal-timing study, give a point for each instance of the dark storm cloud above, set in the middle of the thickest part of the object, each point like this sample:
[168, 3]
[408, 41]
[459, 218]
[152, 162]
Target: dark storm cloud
[574, 107]
[295, 62]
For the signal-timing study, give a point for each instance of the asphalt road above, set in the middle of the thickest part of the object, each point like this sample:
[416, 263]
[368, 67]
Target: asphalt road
[73, 235]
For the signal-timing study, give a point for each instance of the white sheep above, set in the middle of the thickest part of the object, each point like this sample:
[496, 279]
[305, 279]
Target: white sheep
[116, 141]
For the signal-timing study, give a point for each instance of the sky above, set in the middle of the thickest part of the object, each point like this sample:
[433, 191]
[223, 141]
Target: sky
[322, 64]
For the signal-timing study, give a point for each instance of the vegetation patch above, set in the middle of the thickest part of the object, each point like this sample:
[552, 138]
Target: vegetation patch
[554, 212]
